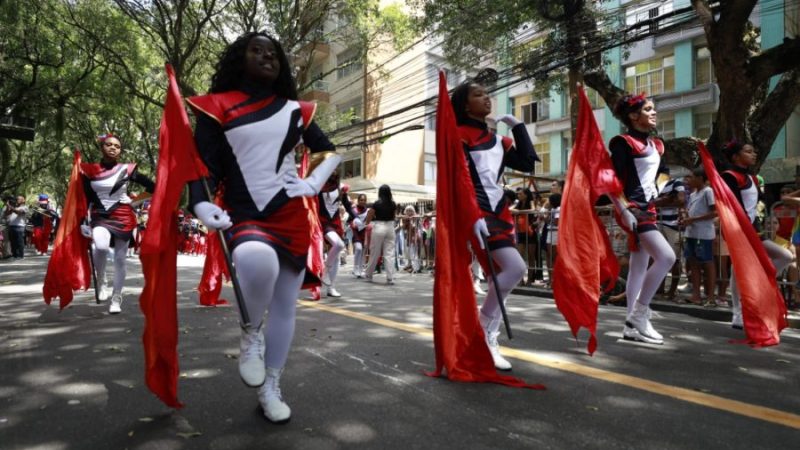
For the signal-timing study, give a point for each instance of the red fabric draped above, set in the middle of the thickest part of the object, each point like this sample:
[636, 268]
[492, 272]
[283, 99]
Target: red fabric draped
[178, 163]
[459, 341]
[585, 257]
[763, 307]
[314, 265]
[214, 269]
[68, 269]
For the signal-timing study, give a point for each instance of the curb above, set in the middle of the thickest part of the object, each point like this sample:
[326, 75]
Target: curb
[715, 314]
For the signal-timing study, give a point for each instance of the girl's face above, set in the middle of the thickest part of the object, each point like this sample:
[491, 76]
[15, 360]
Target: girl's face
[362, 200]
[261, 60]
[644, 120]
[746, 156]
[111, 149]
[521, 196]
[479, 104]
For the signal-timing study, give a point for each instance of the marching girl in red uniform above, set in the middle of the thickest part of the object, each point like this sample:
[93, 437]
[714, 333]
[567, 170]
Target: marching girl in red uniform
[487, 157]
[112, 219]
[636, 156]
[331, 198]
[248, 129]
[745, 187]
[359, 226]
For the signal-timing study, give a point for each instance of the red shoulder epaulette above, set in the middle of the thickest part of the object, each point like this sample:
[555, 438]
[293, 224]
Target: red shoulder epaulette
[638, 146]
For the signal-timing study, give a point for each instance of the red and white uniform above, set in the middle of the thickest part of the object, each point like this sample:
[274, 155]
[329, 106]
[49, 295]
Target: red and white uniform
[106, 188]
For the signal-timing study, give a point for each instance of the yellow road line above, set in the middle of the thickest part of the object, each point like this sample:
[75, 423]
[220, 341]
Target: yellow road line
[711, 401]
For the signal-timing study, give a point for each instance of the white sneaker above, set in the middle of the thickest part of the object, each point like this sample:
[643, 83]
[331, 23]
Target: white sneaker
[490, 326]
[638, 319]
[116, 304]
[737, 323]
[102, 291]
[629, 333]
[251, 357]
[476, 286]
[332, 292]
[270, 399]
[326, 280]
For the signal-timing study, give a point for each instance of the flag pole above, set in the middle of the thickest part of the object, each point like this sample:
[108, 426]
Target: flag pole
[237, 290]
[492, 273]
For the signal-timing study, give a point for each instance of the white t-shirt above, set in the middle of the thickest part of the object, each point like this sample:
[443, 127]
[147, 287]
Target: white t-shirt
[700, 203]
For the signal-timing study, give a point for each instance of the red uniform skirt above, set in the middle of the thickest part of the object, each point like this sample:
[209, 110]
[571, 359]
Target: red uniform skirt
[286, 230]
[120, 220]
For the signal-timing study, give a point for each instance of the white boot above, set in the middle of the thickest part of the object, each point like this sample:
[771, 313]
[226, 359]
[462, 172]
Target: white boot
[116, 304]
[251, 357]
[490, 329]
[737, 323]
[269, 396]
[332, 292]
[102, 290]
[642, 328]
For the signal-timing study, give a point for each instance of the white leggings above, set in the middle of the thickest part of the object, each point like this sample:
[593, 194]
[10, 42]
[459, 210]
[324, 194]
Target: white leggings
[102, 245]
[358, 258]
[511, 270]
[643, 282]
[269, 284]
[781, 258]
[332, 260]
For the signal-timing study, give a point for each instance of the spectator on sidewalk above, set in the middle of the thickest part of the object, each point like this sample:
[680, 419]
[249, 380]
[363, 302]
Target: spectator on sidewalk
[16, 215]
[699, 223]
[670, 202]
[381, 215]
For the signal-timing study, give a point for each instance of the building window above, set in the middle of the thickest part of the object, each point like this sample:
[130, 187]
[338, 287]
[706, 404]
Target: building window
[348, 62]
[595, 99]
[542, 110]
[646, 12]
[703, 125]
[653, 77]
[543, 150]
[666, 125]
[351, 168]
[352, 110]
[703, 69]
[430, 172]
[512, 106]
[528, 110]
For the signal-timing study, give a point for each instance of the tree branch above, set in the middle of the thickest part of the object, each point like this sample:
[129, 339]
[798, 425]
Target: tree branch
[775, 60]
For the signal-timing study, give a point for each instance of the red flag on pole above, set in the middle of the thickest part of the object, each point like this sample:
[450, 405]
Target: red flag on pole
[763, 307]
[459, 341]
[178, 163]
[585, 257]
[314, 263]
[214, 269]
[68, 269]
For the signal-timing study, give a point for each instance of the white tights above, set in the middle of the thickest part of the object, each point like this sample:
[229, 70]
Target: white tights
[643, 282]
[332, 260]
[781, 258]
[512, 269]
[358, 258]
[269, 284]
[102, 245]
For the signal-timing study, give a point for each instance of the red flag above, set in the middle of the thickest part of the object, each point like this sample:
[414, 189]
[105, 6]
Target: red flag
[585, 257]
[458, 337]
[68, 269]
[314, 264]
[763, 307]
[178, 163]
[214, 269]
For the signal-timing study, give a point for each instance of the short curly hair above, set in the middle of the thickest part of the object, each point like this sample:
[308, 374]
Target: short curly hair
[230, 67]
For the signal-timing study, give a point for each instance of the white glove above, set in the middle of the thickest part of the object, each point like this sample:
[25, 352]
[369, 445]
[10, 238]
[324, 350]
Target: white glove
[481, 230]
[508, 119]
[212, 216]
[359, 224]
[298, 187]
[86, 231]
[628, 220]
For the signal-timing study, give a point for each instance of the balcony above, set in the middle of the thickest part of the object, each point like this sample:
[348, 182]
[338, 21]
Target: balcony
[701, 95]
[685, 32]
[318, 91]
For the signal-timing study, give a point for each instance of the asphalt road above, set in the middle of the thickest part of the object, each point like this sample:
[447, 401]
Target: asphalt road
[356, 378]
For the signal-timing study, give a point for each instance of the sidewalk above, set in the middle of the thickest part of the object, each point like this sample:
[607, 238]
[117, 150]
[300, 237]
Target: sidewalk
[658, 304]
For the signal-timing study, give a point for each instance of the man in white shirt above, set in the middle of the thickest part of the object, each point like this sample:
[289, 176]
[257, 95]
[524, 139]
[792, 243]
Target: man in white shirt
[16, 215]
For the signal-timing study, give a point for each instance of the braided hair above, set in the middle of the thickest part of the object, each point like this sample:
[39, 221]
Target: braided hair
[629, 104]
[230, 67]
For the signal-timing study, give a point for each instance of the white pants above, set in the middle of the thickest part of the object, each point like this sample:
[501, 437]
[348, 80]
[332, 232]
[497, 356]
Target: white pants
[382, 237]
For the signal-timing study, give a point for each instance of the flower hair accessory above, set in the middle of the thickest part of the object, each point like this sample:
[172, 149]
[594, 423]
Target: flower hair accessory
[636, 99]
[102, 137]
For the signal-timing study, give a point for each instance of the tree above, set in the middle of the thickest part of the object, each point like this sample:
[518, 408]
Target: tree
[747, 111]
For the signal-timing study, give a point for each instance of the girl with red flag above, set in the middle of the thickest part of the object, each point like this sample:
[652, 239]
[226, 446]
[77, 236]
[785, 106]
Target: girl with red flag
[248, 129]
[111, 214]
[745, 188]
[487, 157]
[636, 156]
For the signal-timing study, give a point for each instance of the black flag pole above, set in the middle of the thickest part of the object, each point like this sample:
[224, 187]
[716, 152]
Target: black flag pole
[493, 274]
